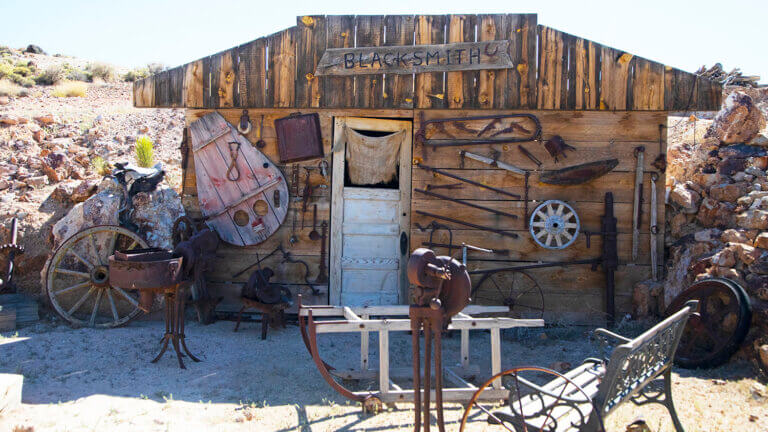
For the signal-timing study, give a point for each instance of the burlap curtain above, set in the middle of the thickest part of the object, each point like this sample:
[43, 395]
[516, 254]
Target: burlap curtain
[372, 160]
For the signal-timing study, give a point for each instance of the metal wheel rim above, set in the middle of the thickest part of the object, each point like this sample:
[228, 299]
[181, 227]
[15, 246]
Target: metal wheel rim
[522, 285]
[554, 224]
[93, 282]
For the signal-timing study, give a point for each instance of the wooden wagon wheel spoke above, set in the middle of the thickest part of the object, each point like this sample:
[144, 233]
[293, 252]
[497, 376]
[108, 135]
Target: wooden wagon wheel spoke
[90, 248]
[96, 307]
[73, 287]
[125, 295]
[554, 224]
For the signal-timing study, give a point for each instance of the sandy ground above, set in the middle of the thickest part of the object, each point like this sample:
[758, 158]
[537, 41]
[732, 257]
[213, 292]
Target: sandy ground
[101, 380]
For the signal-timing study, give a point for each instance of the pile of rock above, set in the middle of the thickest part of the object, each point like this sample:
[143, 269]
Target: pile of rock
[718, 213]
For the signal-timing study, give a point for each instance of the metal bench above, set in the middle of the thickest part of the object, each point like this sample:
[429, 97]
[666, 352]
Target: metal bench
[638, 370]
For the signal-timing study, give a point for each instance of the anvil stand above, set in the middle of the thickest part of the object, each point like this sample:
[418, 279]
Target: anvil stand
[430, 319]
[174, 322]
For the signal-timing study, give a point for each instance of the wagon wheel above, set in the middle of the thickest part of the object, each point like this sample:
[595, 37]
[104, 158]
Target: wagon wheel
[532, 407]
[554, 225]
[720, 326]
[515, 289]
[77, 278]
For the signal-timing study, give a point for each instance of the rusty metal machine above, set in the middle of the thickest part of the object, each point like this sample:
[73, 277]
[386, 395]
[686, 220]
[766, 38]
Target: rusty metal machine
[441, 290]
[10, 250]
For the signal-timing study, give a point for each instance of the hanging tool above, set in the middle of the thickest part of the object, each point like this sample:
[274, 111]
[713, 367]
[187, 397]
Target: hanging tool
[466, 203]
[244, 125]
[529, 155]
[322, 274]
[494, 162]
[261, 143]
[295, 181]
[468, 181]
[11, 250]
[535, 135]
[556, 147]
[654, 229]
[610, 257]
[323, 167]
[639, 155]
[293, 239]
[448, 186]
[471, 225]
[233, 172]
[433, 227]
[660, 163]
[306, 195]
[578, 174]
[314, 235]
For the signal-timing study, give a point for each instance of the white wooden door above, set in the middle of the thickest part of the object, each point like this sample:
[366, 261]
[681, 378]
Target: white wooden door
[367, 263]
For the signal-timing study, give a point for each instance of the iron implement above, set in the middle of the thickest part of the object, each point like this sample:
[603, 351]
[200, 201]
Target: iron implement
[468, 181]
[578, 174]
[534, 135]
[471, 225]
[466, 203]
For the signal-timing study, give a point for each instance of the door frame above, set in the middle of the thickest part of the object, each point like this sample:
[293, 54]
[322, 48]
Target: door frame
[339, 149]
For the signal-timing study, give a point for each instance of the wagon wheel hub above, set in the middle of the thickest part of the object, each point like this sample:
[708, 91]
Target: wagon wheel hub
[100, 276]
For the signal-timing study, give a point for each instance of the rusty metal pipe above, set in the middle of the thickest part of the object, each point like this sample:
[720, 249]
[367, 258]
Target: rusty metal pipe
[466, 203]
[471, 225]
[468, 181]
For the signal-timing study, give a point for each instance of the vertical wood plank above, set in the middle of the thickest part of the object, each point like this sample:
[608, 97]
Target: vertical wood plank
[227, 78]
[177, 86]
[430, 29]
[144, 92]
[708, 95]
[193, 84]
[208, 84]
[586, 56]
[162, 82]
[369, 89]
[339, 91]
[281, 76]
[310, 46]
[550, 85]
[460, 86]
[648, 92]
[569, 99]
[492, 86]
[614, 78]
[252, 73]
[523, 34]
[398, 89]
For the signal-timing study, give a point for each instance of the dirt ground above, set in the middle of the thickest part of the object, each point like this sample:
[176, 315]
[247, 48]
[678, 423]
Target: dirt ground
[101, 380]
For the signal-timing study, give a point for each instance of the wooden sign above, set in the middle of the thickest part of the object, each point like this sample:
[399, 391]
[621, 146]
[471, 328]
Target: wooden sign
[411, 59]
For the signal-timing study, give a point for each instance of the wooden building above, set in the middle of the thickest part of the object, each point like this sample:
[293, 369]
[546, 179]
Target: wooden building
[602, 101]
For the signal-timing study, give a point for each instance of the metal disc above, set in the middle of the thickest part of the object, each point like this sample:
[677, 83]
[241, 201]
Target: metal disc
[554, 224]
[77, 278]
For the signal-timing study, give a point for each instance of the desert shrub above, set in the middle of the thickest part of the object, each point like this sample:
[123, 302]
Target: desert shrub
[8, 88]
[19, 72]
[102, 71]
[135, 74]
[100, 166]
[51, 75]
[70, 89]
[145, 152]
[155, 68]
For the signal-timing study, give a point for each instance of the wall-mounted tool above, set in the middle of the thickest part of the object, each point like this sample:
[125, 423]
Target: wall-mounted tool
[295, 182]
[468, 181]
[260, 143]
[233, 172]
[299, 137]
[660, 163]
[556, 147]
[471, 225]
[323, 167]
[314, 235]
[306, 195]
[293, 239]
[433, 227]
[554, 225]
[654, 229]
[638, 203]
[244, 125]
[466, 203]
[322, 273]
[447, 186]
[531, 135]
[578, 174]
[529, 155]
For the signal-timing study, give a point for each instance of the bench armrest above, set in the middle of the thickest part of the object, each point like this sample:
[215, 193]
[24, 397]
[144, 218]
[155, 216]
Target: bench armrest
[606, 334]
[607, 340]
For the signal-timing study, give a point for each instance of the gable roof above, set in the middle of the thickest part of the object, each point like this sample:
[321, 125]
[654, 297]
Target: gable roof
[552, 70]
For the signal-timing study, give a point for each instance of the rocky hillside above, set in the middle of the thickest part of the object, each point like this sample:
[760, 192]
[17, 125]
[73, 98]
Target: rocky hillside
[51, 148]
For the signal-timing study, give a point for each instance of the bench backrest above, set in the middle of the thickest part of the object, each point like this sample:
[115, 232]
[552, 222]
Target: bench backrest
[636, 363]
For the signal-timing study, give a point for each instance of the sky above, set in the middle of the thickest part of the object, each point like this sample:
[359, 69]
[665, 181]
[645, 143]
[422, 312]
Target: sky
[680, 33]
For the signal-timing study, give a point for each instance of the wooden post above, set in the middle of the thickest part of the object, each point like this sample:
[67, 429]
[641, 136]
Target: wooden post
[465, 348]
[364, 341]
[384, 361]
[496, 355]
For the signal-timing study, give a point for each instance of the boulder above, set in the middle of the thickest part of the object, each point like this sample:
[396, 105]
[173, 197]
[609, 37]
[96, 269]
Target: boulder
[84, 190]
[713, 213]
[757, 286]
[745, 253]
[760, 162]
[734, 236]
[36, 181]
[645, 298]
[155, 213]
[741, 151]
[707, 235]
[707, 179]
[760, 266]
[100, 209]
[728, 192]
[685, 198]
[753, 218]
[725, 258]
[34, 49]
[731, 165]
[739, 121]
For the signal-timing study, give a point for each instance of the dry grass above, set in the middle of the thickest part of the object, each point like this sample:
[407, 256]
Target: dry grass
[8, 88]
[70, 89]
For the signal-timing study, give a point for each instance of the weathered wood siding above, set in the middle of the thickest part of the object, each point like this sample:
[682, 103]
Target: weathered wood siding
[573, 293]
[554, 71]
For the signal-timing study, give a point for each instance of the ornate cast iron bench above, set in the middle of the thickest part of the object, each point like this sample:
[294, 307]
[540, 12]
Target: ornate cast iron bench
[638, 370]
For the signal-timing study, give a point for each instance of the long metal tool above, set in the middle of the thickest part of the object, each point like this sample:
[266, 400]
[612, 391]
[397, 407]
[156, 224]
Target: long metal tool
[639, 155]
[578, 174]
[466, 203]
[468, 181]
[421, 133]
[654, 229]
[471, 225]
[494, 162]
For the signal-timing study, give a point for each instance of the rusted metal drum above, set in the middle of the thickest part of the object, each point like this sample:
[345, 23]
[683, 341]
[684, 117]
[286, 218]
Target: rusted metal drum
[146, 270]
